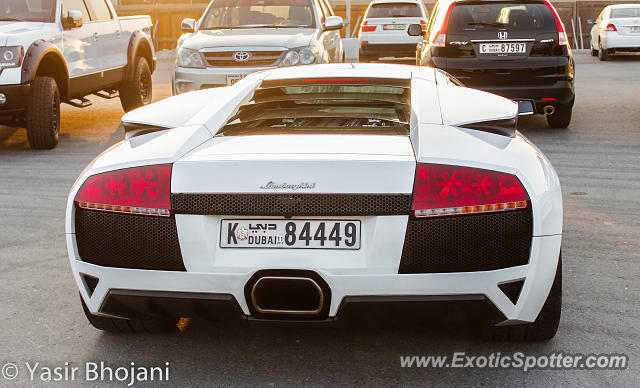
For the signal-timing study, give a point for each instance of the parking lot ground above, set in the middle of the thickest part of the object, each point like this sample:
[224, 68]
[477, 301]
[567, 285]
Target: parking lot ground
[597, 158]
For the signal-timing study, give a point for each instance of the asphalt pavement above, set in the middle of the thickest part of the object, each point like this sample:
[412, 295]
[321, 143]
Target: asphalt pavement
[597, 158]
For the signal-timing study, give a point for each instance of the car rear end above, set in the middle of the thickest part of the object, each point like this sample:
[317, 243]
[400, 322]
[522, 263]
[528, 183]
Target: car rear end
[516, 49]
[622, 33]
[310, 202]
[383, 29]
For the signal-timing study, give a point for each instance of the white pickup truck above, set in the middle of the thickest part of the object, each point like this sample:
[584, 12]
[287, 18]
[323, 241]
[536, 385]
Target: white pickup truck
[54, 51]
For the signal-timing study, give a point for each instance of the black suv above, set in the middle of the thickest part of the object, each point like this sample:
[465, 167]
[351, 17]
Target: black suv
[517, 49]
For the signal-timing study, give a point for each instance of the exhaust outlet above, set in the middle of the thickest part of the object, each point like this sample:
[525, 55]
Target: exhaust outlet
[287, 295]
[549, 110]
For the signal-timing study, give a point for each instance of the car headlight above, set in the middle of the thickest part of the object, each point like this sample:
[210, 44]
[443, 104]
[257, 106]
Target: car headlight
[10, 56]
[191, 58]
[300, 56]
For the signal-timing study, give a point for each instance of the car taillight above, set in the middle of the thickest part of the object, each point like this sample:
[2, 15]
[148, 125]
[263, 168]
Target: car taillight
[440, 40]
[443, 190]
[365, 27]
[611, 27]
[138, 190]
[423, 24]
[562, 35]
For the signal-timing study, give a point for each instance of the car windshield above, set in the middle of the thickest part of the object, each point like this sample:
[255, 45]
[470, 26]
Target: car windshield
[259, 14]
[625, 13]
[28, 10]
[514, 17]
[394, 10]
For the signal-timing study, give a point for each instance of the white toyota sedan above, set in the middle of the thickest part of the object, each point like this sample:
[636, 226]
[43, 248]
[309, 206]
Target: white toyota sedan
[617, 29]
[299, 194]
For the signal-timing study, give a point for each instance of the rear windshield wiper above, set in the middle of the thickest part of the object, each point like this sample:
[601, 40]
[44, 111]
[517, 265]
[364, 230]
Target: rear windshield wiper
[487, 24]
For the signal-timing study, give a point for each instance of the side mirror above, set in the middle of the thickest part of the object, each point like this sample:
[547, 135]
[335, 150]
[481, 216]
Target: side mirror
[415, 30]
[333, 23]
[73, 20]
[525, 108]
[590, 21]
[188, 25]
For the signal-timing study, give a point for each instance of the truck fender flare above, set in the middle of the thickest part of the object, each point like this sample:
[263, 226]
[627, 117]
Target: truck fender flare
[139, 46]
[57, 68]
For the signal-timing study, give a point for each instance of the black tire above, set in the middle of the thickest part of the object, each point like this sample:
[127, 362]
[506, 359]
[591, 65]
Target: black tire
[133, 325]
[603, 54]
[137, 92]
[546, 324]
[561, 118]
[594, 52]
[43, 114]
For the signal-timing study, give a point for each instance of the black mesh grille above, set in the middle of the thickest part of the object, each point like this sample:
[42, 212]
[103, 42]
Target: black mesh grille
[291, 204]
[128, 241]
[479, 242]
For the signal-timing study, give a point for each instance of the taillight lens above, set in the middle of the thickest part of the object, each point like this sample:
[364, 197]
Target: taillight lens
[443, 190]
[138, 190]
[440, 40]
[365, 27]
[611, 27]
[423, 24]
[562, 35]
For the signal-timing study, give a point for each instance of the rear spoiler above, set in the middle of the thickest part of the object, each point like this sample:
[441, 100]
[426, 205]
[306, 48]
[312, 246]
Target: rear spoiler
[137, 129]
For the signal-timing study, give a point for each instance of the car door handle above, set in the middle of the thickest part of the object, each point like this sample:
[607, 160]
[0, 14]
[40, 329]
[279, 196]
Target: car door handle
[95, 36]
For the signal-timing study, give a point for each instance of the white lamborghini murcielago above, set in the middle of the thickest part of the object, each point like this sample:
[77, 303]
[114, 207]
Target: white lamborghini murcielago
[300, 193]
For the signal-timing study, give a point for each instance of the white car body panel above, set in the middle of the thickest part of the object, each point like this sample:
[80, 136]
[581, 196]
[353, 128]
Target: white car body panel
[204, 163]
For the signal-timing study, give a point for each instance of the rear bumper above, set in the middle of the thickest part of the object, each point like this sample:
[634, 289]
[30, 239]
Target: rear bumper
[205, 287]
[560, 93]
[616, 41]
[16, 101]
[389, 50]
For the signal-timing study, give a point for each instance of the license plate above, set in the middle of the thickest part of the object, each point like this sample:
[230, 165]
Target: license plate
[233, 78]
[288, 234]
[503, 48]
[635, 29]
[393, 26]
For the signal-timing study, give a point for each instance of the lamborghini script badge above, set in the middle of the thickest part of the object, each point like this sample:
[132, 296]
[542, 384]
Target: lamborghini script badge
[284, 185]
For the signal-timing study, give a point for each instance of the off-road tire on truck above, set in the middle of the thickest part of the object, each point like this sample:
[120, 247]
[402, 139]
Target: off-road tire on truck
[133, 325]
[138, 91]
[546, 324]
[43, 114]
[561, 118]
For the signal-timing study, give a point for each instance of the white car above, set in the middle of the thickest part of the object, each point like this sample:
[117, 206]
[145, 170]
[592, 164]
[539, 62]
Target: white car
[239, 37]
[299, 194]
[54, 51]
[617, 29]
[383, 29]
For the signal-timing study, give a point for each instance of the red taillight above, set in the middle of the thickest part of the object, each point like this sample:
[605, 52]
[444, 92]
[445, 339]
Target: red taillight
[138, 190]
[423, 24]
[611, 27]
[442, 190]
[440, 40]
[562, 35]
[365, 27]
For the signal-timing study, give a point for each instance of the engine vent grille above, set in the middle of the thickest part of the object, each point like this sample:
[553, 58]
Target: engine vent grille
[128, 241]
[481, 242]
[292, 204]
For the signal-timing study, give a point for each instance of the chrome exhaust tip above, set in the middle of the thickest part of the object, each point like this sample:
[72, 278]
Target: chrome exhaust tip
[549, 110]
[287, 295]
